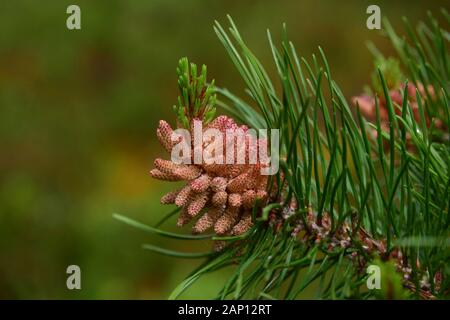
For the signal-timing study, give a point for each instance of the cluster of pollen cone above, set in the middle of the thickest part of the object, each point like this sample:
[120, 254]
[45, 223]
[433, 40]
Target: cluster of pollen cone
[216, 196]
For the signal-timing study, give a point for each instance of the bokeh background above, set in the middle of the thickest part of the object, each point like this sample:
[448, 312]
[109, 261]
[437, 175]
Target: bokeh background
[78, 114]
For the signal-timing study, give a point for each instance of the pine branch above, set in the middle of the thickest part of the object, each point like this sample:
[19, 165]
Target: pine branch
[360, 183]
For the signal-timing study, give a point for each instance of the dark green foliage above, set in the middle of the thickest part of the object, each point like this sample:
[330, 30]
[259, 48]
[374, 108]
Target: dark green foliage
[332, 164]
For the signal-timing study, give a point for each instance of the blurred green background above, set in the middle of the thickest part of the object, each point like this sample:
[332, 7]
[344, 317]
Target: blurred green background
[78, 114]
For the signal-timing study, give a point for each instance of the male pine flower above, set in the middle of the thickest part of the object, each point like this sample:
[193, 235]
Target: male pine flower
[216, 196]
